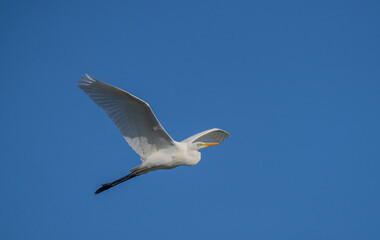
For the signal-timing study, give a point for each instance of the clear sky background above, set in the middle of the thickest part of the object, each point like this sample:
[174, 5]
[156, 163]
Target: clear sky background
[295, 83]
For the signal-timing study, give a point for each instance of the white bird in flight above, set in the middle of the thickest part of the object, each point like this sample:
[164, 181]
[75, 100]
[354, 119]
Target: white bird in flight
[144, 133]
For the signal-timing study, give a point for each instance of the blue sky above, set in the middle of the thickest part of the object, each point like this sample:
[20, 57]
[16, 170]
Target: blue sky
[296, 83]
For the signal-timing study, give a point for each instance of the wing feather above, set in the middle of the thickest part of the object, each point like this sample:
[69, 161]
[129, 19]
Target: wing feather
[214, 135]
[133, 117]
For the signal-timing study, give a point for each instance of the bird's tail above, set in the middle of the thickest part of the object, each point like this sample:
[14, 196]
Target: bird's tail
[114, 183]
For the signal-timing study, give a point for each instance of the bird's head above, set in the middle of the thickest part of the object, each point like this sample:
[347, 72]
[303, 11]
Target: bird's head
[200, 145]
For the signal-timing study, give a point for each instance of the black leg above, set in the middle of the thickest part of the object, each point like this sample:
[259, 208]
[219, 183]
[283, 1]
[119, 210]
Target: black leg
[114, 183]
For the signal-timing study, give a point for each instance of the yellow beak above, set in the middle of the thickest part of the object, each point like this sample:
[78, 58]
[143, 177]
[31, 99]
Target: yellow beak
[210, 144]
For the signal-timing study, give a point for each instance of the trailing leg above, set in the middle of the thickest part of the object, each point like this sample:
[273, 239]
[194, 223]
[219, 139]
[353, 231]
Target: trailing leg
[114, 183]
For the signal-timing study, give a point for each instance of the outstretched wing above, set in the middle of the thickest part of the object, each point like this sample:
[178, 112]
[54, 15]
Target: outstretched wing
[214, 135]
[133, 116]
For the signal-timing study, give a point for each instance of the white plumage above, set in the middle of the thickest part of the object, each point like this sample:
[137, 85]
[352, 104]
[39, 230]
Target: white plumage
[144, 133]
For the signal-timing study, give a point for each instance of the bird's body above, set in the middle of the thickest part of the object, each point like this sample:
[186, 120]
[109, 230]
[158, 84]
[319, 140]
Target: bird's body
[144, 133]
[168, 158]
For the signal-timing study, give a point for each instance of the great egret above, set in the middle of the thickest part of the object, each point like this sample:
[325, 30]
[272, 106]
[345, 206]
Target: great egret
[144, 133]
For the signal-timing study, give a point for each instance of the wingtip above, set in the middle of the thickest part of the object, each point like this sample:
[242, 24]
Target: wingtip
[86, 81]
[89, 77]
